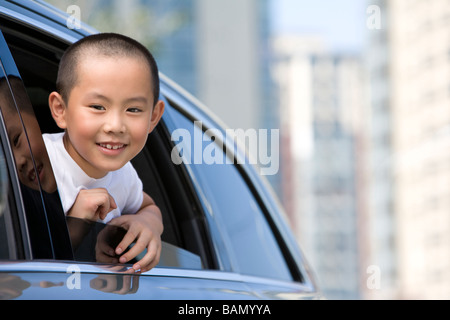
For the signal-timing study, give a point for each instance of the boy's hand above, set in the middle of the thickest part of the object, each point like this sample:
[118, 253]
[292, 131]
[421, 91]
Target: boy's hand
[145, 229]
[92, 204]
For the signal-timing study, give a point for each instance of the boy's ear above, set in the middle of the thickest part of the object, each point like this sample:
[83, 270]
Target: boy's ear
[58, 109]
[158, 111]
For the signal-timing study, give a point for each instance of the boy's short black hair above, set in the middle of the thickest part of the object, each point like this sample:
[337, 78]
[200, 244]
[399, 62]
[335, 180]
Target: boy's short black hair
[107, 44]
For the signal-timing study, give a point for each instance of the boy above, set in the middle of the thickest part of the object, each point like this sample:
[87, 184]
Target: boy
[107, 102]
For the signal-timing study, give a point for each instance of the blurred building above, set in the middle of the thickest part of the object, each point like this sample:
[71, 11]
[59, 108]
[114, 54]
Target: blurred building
[175, 41]
[220, 53]
[409, 65]
[323, 111]
[383, 250]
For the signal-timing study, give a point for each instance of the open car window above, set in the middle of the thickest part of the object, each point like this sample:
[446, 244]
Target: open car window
[37, 61]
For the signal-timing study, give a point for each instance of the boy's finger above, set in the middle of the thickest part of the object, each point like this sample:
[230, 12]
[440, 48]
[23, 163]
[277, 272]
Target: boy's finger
[103, 211]
[112, 202]
[150, 259]
[123, 245]
[106, 205]
[134, 251]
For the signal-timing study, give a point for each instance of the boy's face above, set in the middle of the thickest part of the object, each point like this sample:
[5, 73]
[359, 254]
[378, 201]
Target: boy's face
[108, 114]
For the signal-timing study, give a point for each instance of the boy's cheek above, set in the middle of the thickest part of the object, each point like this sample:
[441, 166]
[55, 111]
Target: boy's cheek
[141, 133]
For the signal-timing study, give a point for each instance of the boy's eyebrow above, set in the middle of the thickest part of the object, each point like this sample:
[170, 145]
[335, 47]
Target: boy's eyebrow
[102, 97]
[137, 99]
[96, 95]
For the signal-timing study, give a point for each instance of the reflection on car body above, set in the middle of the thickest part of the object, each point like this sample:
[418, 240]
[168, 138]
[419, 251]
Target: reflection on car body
[224, 236]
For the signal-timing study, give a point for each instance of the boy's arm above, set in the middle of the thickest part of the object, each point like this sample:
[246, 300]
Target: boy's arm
[145, 229]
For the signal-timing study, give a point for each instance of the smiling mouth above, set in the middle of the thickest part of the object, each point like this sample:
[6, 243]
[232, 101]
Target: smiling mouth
[111, 146]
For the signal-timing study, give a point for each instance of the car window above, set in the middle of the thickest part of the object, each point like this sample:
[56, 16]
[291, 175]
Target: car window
[37, 184]
[37, 64]
[230, 203]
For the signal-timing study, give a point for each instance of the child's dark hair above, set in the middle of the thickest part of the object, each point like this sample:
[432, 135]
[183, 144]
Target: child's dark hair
[107, 44]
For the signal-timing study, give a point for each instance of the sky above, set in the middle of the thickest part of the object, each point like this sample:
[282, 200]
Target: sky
[342, 23]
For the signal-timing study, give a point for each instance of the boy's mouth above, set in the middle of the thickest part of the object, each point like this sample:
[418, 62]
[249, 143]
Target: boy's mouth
[112, 146]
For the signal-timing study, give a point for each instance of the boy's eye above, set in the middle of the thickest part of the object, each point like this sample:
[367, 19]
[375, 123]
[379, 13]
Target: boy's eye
[97, 107]
[16, 140]
[134, 110]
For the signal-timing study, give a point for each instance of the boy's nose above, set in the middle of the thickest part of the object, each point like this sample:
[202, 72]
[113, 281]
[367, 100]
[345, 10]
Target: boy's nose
[114, 124]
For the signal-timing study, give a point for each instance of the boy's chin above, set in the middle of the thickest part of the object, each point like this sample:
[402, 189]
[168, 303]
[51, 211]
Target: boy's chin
[113, 167]
[103, 170]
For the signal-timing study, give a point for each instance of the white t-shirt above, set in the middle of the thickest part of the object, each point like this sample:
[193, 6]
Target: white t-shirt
[123, 185]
